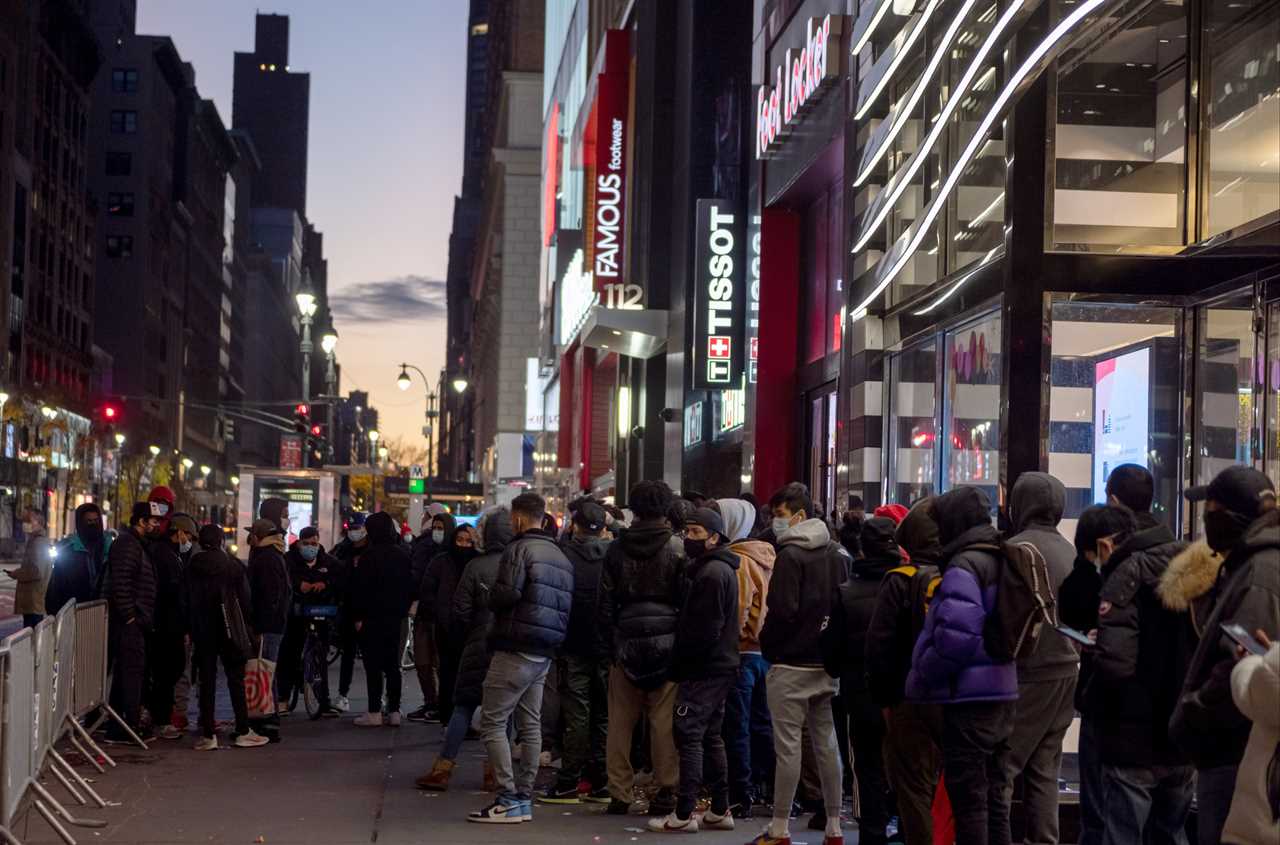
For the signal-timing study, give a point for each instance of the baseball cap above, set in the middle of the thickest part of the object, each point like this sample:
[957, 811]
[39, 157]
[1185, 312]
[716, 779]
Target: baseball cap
[263, 528]
[183, 522]
[708, 519]
[589, 516]
[1240, 489]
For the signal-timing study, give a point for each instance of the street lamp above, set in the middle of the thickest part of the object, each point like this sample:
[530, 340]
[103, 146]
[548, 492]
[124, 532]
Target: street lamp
[403, 381]
[119, 440]
[205, 470]
[383, 451]
[373, 436]
[235, 481]
[154, 450]
[306, 300]
[460, 384]
[187, 463]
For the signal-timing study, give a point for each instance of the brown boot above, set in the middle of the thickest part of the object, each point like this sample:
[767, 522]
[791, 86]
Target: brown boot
[490, 779]
[436, 780]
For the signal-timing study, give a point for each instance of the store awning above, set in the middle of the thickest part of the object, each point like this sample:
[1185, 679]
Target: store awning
[636, 333]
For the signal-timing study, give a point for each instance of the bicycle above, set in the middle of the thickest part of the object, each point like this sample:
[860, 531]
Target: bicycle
[315, 662]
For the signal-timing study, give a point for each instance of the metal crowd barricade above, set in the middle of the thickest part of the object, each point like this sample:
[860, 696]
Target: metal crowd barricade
[43, 701]
[62, 633]
[90, 692]
[16, 722]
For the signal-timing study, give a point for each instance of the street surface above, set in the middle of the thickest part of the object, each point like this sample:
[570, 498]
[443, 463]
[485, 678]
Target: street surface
[329, 783]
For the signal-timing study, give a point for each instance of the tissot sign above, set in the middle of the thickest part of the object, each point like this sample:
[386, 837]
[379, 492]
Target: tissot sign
[719, 297]
[798, 82]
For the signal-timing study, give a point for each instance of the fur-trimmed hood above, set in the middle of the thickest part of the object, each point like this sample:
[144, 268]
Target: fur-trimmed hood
[1190, 575]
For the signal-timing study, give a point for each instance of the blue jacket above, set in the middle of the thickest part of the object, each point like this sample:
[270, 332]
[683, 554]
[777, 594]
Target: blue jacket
[950, 663]
[75, 574]
[531, 597]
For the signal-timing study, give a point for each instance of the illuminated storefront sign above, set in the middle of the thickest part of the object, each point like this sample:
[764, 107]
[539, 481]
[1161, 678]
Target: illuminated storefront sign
[733, 411]
[607, 158]
[799, 81]
[577, 295]
[719, 300]
[693, 425]
[753, 299]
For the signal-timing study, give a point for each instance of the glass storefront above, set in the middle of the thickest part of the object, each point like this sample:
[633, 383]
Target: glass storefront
[912, 375]
[823, 421]
[1224, 385]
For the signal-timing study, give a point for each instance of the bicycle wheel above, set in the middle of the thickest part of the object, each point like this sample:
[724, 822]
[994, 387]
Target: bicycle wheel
[335, 651]
[293, 697]
[312, 676]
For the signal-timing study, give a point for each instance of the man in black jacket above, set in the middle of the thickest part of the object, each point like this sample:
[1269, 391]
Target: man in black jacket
[130, 590]
[1242, 523]
[269, 589]
[705, 666]
[1138, 665]
[530, 601]
[166, 650]
[315, 578]
[349, 551]
[435, 606]
[436, 530]
[79, 561]
[585, 675]
[806, 580]
[636, 619]
[380, 601]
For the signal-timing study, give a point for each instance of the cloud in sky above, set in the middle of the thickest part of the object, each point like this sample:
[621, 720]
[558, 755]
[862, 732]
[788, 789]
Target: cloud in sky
[403, 299]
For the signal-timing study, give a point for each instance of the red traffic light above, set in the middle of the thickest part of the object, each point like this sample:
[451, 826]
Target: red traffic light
[302, 409]
[110, 412]
[317, 431]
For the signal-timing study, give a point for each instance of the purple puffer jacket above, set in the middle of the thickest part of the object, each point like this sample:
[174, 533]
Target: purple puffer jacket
[950, 662]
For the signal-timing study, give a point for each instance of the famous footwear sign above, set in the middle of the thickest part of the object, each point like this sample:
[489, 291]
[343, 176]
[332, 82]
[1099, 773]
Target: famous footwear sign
[798, 82]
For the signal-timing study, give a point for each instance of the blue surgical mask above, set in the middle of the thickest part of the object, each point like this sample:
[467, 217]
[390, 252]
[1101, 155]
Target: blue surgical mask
[308, 552]
[356, 534]
[184, 547]
[780, 524]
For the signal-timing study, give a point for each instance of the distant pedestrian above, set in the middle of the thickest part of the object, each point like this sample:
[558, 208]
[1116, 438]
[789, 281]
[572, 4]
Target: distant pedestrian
[436, 525]
[130, 590]
[349, 551]
[33, 574]
[79, 561]
[379, 604]
[459, 545]
[166, 649]
[315, 577]
[270, 591]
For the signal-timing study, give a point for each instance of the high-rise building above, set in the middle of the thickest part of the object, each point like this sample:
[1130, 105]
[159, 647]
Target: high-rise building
[272, 104]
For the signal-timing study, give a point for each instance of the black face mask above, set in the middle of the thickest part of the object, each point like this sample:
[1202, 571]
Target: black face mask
[462, 555]
[91, 533]
[1224, 529]
[694, 548]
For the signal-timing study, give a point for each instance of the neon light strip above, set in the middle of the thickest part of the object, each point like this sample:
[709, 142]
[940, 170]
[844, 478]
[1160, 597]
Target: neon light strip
[887, 199]
[900, 120]
[871, 27]
[959, 283]
[979, 136]
[898, 57]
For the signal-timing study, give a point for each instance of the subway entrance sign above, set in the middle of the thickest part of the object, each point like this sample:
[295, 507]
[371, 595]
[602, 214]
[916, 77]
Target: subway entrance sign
[417, 480]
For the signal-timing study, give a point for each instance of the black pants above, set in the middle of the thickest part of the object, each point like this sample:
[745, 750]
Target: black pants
[867, 731]
[347, 664]
[584, 704]
[206, 661]
[698, 729]
[380, 647]
[166, 659]
[289, 670]
[975, 751]
[127, 646]
[30, 620]
[449, 652]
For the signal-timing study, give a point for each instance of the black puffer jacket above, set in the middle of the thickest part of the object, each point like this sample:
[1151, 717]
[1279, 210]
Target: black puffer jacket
[435, 598]
[532, 596]
[171, 611]
[269, 586]
[130, 587]
[807, 575]
[380, 589]
[707, 633]
[471, 616]
[587, 556]
[1141, 657]
[212, 579]
[639, 606]
[1207, 724]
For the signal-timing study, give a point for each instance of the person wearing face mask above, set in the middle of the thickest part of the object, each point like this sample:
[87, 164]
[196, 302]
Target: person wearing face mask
[435, 604]
[1242, 523]
[349, 553]
[33, 575]
[129, 586]
[80, 561]
[166, 650]
[705, 667]
[426, 653]
[315, 577]
[380, 601]
[269, 590]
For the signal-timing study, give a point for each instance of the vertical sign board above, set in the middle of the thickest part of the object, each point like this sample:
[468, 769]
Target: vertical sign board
[719, 298]
[753, 298]
[609, 190]
[290, 451]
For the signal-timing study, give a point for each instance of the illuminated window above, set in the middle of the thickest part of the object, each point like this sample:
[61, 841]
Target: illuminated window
[480, 29]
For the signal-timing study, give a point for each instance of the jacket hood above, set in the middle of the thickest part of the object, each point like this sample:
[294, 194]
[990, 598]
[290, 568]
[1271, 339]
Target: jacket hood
[918, 533]
[382, 529]
[959, 510]
[984, 534]
[1037, 498]
[645, 538]
[761, 553]
[877, 539]
[86, 508]
[739, 517]
[810, 534]
[477, 540]
[1190, 574]
[1264, 530]
[589, 548]
[495, 528]
[208, 561]
[722, 552]
[450, 525]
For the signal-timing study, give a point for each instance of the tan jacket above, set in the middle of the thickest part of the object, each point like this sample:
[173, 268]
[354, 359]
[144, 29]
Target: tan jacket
[32, 576]
[754, 571]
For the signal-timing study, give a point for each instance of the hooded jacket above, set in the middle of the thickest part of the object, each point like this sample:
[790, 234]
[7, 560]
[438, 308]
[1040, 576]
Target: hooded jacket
[587, 556]
[78, 565]
[639, 607]
[171, 613]
[858, 598]
[1141, 656]
[435, 597]
[423, 549]
[755, 568]
[532, 596]
[380, 588]
[325, 569]
[1255, 688]
[807, 574]
[1036, 503]
[213, 577]
[950, 663]
[891, 634]
[269, 587]
[130, 581]
[739, 518]
[1187, 584]
[1206, 724]
[707, 632]
[471, 615]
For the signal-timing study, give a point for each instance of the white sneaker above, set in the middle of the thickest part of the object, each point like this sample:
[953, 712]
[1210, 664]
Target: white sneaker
[169, 732]
[713, 822]
[342, 703]
[393, 718]
[369, 720]
[671, 824]
[206, 743]
[249, 739]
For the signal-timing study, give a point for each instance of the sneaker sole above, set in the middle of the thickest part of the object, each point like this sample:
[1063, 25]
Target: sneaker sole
[542, 800]
[488, 820]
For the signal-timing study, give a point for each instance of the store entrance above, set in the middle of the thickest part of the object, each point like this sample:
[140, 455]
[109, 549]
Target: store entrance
[820, 451]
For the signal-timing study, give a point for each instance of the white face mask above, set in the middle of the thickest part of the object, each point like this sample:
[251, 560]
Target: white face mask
[356, 534]
[780, 524]
[437, 536]
[184, 547]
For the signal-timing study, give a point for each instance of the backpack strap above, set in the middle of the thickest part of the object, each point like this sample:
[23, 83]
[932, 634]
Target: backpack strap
[907, 569]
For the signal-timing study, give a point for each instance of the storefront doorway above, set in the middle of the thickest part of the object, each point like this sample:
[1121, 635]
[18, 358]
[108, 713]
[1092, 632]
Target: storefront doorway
[821, 448]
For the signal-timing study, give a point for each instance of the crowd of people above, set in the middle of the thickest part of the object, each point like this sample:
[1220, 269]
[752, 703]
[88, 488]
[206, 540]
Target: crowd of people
[748, 657]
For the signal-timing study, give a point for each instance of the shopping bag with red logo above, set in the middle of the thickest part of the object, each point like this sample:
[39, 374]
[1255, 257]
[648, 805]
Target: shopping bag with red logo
[258, 674]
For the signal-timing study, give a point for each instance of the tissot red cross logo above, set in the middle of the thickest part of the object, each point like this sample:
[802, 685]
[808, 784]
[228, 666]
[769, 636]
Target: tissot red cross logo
[719, 346]
[755, 348]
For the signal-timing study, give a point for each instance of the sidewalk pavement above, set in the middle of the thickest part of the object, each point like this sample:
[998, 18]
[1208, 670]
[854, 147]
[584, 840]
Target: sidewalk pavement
[328, 783]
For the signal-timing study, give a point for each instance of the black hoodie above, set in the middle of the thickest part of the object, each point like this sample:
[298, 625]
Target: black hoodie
[587, 556]
[423, 548]
[381, 584]
[858, 599]
[435, 597]
[639, 605]
[707, 633]
[212, 579]
[77, 572]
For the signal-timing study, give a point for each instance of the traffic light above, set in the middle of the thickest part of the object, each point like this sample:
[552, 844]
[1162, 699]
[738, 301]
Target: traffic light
[109, 416]
[301, 418]
[317, 430]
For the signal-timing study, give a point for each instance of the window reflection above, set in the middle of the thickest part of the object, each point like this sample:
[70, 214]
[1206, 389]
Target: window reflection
[971, 406]
[912, 430]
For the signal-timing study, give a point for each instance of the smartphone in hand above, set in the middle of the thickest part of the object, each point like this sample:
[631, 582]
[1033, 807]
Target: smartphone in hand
[1243, 638]
[1073, 634]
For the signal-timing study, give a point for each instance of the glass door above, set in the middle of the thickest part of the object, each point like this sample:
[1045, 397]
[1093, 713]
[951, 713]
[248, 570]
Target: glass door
[821, 463]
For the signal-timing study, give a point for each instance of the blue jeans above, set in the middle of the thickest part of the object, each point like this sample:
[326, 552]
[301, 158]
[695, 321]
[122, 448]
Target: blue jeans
[1156, 800]
[456, 731]
[1214, 788]
[1092, 796]
[748, 733]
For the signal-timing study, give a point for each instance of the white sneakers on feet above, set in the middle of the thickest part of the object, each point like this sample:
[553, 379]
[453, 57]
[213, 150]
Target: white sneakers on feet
[206, 743]
[711, 821]
[342, 703]
[369, 720]
[672, 824]
[393, 718]
[249, 739]
[169, 732]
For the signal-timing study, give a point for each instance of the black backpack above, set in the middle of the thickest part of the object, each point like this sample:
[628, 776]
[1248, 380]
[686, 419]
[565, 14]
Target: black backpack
[1025, 601]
